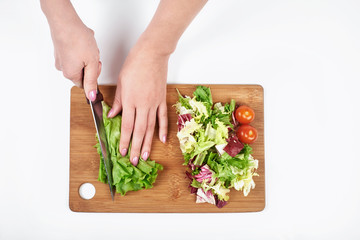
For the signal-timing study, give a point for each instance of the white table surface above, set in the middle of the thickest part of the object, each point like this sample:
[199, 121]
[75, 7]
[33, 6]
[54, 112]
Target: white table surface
[306, 55]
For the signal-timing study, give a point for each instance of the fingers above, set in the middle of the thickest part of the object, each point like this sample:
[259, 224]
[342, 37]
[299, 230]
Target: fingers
[146, 147]
[163, 121]
[75, 76]
[138, 135]
[127, 124]
[82, 77]
[116, 107]
[91, 73]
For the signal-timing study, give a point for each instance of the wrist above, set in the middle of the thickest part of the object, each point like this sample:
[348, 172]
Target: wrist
[61, 16]
[156, 44]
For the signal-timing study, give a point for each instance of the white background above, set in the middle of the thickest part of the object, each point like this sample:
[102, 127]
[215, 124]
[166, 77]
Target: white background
[306, 55]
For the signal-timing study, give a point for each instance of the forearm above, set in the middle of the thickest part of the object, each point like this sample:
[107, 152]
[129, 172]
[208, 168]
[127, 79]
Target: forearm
[75, 49]
[60, 14]
[168, 24]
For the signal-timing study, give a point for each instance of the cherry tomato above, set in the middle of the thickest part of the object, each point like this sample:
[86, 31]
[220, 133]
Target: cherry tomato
[244, 114]
[246, 134]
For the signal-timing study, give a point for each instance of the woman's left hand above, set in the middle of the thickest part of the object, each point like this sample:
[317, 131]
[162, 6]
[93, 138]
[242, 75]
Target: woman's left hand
[141, 95]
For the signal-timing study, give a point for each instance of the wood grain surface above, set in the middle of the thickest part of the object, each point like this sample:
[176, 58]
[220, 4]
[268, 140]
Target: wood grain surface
[170, 192]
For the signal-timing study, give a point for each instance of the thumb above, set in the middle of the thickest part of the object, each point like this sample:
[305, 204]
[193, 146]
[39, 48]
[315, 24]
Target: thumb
[117, 104]
[91, 73]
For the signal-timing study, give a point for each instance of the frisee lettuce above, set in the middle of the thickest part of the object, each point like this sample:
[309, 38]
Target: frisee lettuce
[203, 136]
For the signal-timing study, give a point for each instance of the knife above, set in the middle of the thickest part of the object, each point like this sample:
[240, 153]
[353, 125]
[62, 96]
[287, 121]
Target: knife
[97, 112]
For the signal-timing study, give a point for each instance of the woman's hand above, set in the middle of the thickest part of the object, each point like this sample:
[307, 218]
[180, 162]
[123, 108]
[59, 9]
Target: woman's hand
[141, 87]
[77, 56]
[141, 95]
[75, 49]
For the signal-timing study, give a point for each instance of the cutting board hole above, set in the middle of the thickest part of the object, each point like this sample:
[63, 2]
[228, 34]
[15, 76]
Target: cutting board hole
[87, 191]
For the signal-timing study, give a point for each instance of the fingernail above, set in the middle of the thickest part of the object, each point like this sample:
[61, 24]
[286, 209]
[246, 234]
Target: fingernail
[145, 156]
[110, 113]
[92, 95]
[123, 152]
[135, 161]
[163, 139]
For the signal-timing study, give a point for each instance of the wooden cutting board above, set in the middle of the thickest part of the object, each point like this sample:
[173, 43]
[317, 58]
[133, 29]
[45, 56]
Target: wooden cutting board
[170, 192]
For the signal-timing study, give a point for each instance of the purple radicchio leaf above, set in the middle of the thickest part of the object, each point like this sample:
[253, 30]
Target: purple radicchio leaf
[202, 197]
[204, 174]
[234, 121]
[220, 203]
[182, 119]
[234, 146]
[193, 189]
[189, 175]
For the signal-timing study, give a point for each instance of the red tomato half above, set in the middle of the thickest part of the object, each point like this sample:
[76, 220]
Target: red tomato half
[246, 134]
[244, 114]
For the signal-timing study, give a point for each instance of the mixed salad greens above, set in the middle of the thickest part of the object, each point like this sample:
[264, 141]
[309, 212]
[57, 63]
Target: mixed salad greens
[126, 177]
[216, 159]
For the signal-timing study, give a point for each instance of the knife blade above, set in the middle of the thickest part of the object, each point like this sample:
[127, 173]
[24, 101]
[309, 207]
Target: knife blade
[97, 112]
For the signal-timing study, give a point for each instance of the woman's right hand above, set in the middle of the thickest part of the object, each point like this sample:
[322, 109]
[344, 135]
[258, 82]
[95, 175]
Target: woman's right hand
[75, 49]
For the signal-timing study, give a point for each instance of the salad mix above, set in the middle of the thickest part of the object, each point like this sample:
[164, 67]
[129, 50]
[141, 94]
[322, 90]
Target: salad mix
[214, 140]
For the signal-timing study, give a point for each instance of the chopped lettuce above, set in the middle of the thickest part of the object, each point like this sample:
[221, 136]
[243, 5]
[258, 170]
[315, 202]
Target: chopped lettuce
[221, 191]
[185, 136]
[202, 197]
[184, 101]
[206, 136]
[222, 132]
[200, 109]
[220, 148]
[203, 94]
[126, 177]
[218, 107]
[210, 132]
[202, 147]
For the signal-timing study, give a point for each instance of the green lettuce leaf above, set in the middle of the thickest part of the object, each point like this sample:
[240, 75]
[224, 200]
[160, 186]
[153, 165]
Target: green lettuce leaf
[231, 172]
[126, 177]
[184, 101]
[186, 136]
[222, 132]
[201, 110]
[223, 113]
[203, 94]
